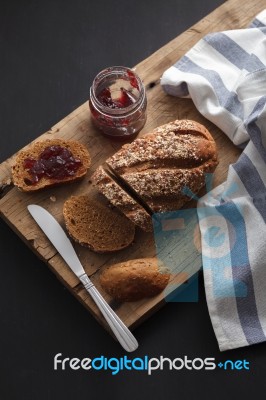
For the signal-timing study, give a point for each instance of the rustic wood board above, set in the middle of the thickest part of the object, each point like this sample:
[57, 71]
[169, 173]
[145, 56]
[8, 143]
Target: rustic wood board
[161, 109]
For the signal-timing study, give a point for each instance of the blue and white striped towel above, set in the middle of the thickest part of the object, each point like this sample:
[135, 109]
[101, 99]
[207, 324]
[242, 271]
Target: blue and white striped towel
[225, 76]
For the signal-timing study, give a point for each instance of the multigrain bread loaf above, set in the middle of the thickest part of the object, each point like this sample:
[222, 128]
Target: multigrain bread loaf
[50, 162]
[134, 279]
[162, 164]
[119, 198]
[161, 168]
[93, 225]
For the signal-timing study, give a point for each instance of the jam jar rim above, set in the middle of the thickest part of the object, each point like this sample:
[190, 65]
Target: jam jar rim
[117, 112]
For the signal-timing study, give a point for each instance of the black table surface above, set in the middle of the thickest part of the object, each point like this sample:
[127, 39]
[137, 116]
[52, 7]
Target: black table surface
[49, 53]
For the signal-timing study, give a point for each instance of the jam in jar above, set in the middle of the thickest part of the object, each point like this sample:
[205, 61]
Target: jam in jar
[118, 103]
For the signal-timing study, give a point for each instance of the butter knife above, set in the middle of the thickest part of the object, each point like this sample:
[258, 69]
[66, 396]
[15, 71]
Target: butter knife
[61, 242]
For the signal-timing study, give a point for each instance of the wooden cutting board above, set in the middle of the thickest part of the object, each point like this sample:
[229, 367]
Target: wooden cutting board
[161, 109]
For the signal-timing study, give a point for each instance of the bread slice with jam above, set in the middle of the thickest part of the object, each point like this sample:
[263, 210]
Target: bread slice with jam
[50, 162]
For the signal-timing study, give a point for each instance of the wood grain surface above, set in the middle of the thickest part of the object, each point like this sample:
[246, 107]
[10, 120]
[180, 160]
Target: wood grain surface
[161, 109]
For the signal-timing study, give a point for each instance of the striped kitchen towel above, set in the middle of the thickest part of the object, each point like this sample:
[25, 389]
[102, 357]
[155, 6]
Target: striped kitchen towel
[225, 76]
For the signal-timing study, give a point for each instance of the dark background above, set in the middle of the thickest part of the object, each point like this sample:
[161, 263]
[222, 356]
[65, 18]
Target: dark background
[49, 53]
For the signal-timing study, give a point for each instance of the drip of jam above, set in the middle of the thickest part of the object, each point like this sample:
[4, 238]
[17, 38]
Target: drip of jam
[54, 162]
[125, 100]
[132, 79]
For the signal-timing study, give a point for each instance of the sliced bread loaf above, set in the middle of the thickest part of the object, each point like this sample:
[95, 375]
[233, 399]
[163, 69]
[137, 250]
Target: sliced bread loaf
[50, 162]
[163, 167]
[96, 226]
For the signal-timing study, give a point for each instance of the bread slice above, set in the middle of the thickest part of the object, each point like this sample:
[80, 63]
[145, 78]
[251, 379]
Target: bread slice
[119, 198]
[96, 226]
[22, 177]
[134, 279]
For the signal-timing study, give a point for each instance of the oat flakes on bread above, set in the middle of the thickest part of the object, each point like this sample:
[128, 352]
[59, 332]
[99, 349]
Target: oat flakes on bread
[158, 166]
[134, 279]
[22, 177]
[96, 226]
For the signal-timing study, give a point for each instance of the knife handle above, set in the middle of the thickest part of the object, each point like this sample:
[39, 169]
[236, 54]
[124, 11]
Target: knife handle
[122, 333]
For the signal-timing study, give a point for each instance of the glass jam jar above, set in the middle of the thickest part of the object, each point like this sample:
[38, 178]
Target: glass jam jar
[118, 103]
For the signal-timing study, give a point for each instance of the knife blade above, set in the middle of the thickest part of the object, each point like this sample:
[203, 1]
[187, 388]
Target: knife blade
[63, 245]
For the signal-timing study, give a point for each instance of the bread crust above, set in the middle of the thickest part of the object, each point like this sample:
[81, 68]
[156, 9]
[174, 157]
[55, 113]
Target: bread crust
[21, 176]
[178, 144]
[134, 279]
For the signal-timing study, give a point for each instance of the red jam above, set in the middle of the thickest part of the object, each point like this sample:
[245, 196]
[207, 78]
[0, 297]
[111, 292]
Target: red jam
[133, 79]
[54, 162]
[125, 99]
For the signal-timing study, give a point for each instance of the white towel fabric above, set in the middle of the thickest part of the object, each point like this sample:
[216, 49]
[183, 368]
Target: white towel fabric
[225, 76]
